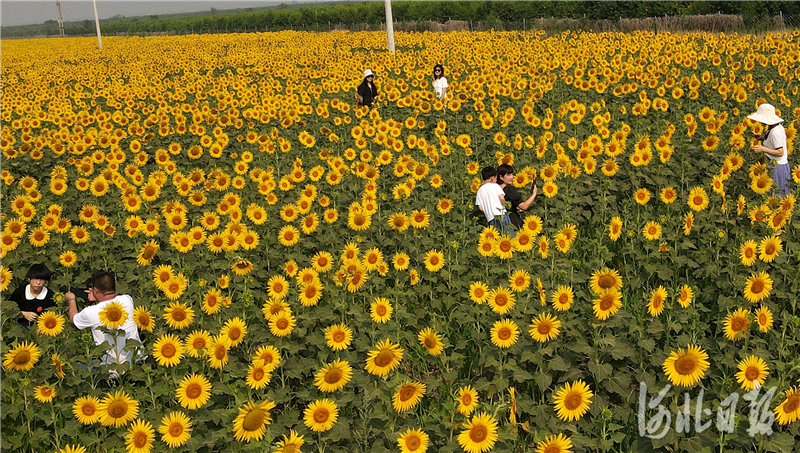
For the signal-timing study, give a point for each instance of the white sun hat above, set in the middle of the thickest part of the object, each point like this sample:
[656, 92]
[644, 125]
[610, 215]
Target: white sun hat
[368, 73]
[766, 114]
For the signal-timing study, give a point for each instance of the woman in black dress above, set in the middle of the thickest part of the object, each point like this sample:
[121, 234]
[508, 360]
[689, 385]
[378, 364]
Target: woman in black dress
[505, 177]
[367, 91]
[35, 297]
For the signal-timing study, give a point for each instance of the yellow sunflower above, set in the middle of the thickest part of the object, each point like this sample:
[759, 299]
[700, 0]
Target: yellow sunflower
[72, 449]
[764, 318]
[758, 287]
[519, 280]
[769, 248]
[242, 267]
[140, 437]
[68, 258]
[434, 261]
[85, 410]
[413, 441]
[282, 323]
[407, 396]
[252, 421]
[651, 231]
[50, 324]
[212, 301]
[479, 292]
[501, 300]
[175, 429]
[381, 310]
[572, 401]
[698, 199]
[113, 315]
[217, 352]
[321, 415]
[544, 328]
[686, 296]
[117, 409]
[668, 195]
[655, 306]
[333, 376]
[737, 323]
[277, 287]
[615, 228]
[479, 434]
[269, 356]
[5, 278]
[562, 298]
[310, 293]
[604, 280]
[44, 393]
[193, 391]
[504, 247]
[753, 372]
[504, 333]
[233, 331]
[291, 443]
[196, 343]
[384, 358]
[22, 358]
[788, 411]
[431, 341]
[357, 279]
[555, 444]
[686, 367]
[607, 304]
[420, 218]
[143, 319]
[322, 262]
[168, 350]
[338, 337]
[288, 236]
[178, 315]
[467, 400]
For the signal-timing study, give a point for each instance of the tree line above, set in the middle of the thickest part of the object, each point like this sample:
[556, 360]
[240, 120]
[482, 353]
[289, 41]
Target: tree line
[372, 13]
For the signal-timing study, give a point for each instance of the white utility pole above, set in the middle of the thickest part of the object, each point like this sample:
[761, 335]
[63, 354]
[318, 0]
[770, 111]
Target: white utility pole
[389, 24]
[60, 20]
[97, 24]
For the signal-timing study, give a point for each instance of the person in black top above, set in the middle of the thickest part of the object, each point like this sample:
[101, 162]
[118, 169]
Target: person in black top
[367, 91]
[34, 298]
[505, 177]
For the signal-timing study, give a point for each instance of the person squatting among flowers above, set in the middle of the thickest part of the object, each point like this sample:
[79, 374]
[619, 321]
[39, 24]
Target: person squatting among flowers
[110, 310]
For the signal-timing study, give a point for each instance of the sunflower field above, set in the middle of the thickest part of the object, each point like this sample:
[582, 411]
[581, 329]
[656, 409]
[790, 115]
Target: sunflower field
[309, 275]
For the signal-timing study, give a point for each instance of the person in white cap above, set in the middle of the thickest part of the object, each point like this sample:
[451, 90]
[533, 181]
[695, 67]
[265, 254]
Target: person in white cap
[367, 91]
[773, 145]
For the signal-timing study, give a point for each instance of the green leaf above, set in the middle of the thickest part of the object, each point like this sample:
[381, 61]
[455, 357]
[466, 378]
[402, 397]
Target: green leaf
[780, 443]
[557, 363]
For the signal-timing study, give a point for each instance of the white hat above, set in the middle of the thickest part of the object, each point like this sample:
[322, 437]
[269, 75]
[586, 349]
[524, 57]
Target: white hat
[368, 73]
[766, 114]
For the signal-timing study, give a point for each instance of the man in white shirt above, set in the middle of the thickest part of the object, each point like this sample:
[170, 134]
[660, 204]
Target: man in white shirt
[490, 199]
[104, 292]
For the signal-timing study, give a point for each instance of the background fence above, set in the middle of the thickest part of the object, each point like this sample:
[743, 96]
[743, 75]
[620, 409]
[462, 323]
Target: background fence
[715, 23]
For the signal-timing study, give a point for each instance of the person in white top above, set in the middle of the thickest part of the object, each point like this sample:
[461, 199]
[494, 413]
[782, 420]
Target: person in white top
[490, 199]
[104, 292]
[439, 82]
[774, 145]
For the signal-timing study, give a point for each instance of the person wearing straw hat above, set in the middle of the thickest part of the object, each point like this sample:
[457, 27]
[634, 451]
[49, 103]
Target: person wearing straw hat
[773, 145]
[367, 91]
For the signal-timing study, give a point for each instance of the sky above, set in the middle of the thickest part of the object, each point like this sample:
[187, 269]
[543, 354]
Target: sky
[24, 12]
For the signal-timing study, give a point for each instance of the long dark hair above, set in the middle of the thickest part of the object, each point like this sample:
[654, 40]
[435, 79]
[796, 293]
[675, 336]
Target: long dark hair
[438, 66]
